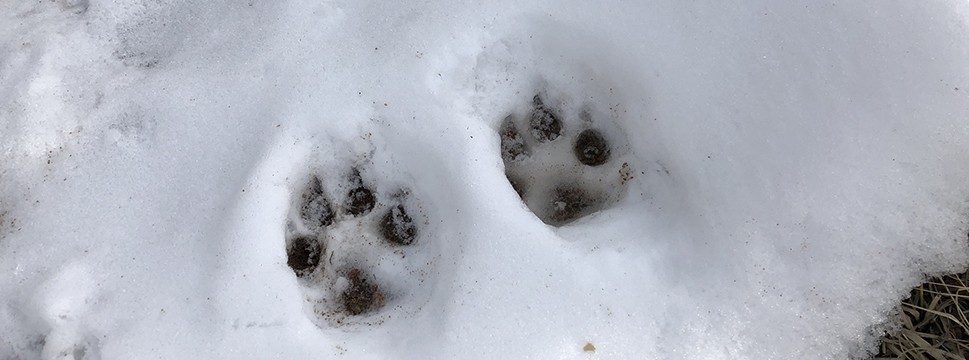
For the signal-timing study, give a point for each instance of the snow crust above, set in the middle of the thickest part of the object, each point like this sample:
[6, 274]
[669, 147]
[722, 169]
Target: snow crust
[798, 167]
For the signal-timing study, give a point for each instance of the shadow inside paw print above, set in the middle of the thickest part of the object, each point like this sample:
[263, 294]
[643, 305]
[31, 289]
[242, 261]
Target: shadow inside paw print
[563, 167]
[331, 251]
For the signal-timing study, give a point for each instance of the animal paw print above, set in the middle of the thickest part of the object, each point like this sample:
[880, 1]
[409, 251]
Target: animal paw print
[338, 249]
[565, 166]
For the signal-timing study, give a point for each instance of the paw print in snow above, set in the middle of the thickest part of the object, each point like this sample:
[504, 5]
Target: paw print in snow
[338, 251]
[565, 166]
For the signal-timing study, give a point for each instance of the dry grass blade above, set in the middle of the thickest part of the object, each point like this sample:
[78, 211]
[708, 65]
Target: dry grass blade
[935, 322]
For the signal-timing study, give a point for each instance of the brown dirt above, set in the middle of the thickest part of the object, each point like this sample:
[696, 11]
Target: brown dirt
[362, 296]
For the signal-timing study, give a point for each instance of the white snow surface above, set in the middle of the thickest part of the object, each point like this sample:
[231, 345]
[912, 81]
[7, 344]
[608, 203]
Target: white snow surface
[799, 166]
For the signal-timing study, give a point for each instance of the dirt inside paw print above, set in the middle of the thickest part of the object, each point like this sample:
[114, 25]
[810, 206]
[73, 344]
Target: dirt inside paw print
[303, 255]
[398, 227]
[591, 148]
[361, 296]
[569, 203]
[360, 199]
[316, 211]
[512, 144]
[544, 123]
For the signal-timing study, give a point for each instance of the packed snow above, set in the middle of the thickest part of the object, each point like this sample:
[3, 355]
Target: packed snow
[181, 179]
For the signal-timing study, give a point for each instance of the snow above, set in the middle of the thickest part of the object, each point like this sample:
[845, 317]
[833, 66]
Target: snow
[796, 168]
